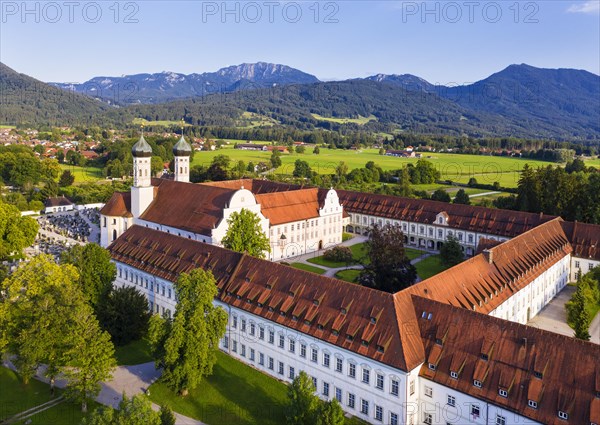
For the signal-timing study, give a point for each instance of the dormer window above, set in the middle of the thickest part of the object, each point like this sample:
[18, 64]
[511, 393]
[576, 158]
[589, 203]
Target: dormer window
[431, 366]
[477, 383]
[563, 415]
[320, 327]
[380, 349]
[343, 311]
[373, 320]
[291, 293]
[335, 333]
[316, 302]
[503, 393]
[269, 286]
[538, 375]
[364, 343]
[532, 404]
[454, 375]
[484, 357]
[438, 341]
[349, 337]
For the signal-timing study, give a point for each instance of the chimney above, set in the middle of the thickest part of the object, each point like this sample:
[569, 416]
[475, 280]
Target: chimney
[488, 254]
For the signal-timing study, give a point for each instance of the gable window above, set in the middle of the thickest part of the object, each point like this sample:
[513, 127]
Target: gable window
[477, 383]
[451, 400]
[563, 415]
[431, 366]
[427, 418]
[532, 404]
[454, 375]
[475, 411]
[500, 420]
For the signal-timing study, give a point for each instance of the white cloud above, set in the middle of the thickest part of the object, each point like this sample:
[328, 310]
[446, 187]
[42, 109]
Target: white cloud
[590, 6]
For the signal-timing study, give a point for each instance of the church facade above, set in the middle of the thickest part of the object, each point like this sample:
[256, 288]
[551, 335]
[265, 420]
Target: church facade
[453, 348]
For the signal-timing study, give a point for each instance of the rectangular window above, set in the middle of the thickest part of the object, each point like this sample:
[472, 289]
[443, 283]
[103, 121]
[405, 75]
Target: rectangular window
[234, 346]
[378, 413]
[394, 387]
[252, 329]
[271, 363]
[379, 382]
[503, 393]
[314, 381]
[313, 355]
[243, 351]
[281, 341]
[364, 406]
[532, 403]
[326, 389]
[261, 359]
[366, 375]
[427, 418]
[428, 391]
[303, 350]
[280, 367]
[351, 400]
[351, 370]
[292, 346]
[338, 394]
[226, 342]
[234, 324]
[451, 400]
[393, 418]
[261, 333]
[271, 337]
[326, 358]
[243, 325]
[475, 411]
[411, 387]
[500, 420]
[292, 374]
[252, 354]
[338, 365]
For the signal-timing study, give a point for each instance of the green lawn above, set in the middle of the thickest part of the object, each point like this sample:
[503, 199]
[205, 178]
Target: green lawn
[412, 253]
[7, 126]
[430, 267]
[140, 121]
[233, 394]
[360, 120]
[136, 352]
[455, 167]
[308, 268]
[350, 275]
[85, 174]
[16, 397]
[358, 252]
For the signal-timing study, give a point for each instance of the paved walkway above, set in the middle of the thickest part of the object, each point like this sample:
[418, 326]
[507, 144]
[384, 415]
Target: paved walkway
[553, 317]
[131, 380]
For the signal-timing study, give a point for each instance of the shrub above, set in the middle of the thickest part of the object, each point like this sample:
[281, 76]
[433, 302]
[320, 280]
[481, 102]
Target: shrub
[340, 254]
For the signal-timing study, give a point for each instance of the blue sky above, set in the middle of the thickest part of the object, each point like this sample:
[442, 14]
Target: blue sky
[443, 42]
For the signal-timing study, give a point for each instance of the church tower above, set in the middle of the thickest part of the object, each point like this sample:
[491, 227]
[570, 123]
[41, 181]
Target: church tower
[142, 192]
[182, 151]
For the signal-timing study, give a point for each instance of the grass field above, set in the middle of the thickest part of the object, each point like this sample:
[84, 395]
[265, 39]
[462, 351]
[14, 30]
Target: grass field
[454, 167]
[430, 267]
[350, 275]
[16, 397]
[308, 268]
[360, 120]
[7, 126]
[251, 120]
[83, 174]
[135, 352]
[358, 253]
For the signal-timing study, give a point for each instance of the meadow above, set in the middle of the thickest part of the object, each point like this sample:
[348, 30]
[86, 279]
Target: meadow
[85, 174]
[142, 121]
[360, 120]
[454, 167]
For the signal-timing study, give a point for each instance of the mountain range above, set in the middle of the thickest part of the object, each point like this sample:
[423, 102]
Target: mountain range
[519, 101]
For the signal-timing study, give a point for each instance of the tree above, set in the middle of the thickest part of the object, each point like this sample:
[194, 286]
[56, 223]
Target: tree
[331, 413]
[302, 169]
[440, 195]
[389, 268]
[581, 317]
[50, 168]
[66, 179]
[300, 149]
[404, 183]
[156, 165]
[462, 197]
[219, 168]
[316, 150]
[451, 252]
[341, 170]
[191, 339]
[132, 411]
[303, 404]
[96, 271]
[528, 190]
[340, 254]
[16, 232]
[472, 182]
[166, 416]
[124, 314]
[245, 234]
[276, 159]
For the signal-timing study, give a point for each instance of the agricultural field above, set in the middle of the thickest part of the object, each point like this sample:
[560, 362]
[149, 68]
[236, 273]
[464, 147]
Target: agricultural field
[6, 126]
[85, 174]
[360, 120]
[454, 167]
[251, 120]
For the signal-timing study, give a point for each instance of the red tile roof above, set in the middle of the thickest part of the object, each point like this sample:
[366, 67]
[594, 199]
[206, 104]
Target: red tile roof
[119, 205]
[585, 239]
[285, 207]
[467, 217]
[59, 201]
[569, 367]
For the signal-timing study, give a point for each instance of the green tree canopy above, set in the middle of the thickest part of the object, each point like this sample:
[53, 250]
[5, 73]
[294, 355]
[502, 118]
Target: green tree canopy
[389, 268]
[187, 345]
[440, 195]
[66, 179]
[96, 271]
[331, 413]
[132, 411]
[303, 404]
[275, 159]
[16, 232]
[451, 252]
[245, 234]
[302, 169]
[462, 197]
[124, 314]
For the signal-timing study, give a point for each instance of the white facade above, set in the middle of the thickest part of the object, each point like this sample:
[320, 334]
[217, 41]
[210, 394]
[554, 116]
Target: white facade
[142, 171]
[581, 266]
[181, 164]
[113, 227]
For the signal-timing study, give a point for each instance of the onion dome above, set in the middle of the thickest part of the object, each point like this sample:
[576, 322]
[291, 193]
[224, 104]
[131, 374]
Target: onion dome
[182, 148]
[141, 149]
